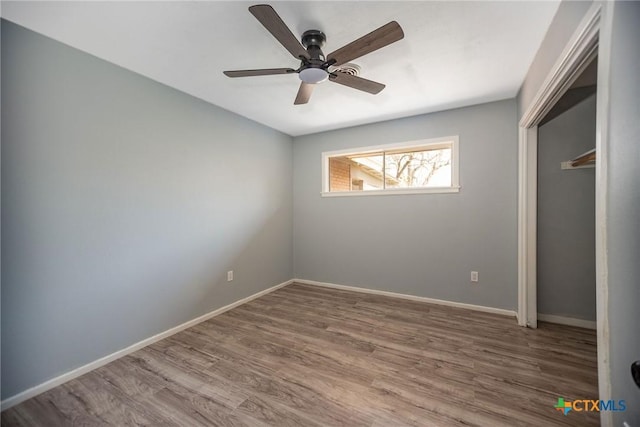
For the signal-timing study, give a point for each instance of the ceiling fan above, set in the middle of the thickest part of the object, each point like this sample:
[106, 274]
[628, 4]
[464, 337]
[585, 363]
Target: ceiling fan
[314, 67]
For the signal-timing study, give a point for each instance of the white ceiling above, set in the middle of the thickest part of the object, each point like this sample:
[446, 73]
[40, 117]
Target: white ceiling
[454, 53]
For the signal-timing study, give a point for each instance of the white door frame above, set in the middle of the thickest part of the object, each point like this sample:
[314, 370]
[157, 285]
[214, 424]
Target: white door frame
[583, 46]
[580, 50]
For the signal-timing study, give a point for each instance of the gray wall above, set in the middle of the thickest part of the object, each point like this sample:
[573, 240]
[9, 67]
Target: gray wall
[566, 216]
[622, 33]
[564, 23]
[426, 244]
[124, 203]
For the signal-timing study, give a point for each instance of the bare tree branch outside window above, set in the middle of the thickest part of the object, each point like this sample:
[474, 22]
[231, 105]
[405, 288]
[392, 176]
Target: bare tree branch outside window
[416, 169]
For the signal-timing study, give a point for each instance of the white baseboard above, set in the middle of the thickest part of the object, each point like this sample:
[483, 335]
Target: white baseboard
[569, 321]
[483, 308]
[54, 382]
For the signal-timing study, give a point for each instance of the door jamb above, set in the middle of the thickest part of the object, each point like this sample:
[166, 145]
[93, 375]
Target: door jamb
[583, 46]
[580, 50]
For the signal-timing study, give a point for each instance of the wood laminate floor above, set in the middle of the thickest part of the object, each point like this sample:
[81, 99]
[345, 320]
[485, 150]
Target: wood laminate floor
[309, 356]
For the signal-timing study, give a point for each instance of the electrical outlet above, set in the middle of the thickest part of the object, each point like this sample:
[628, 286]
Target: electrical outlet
[474, 276]
[230, 276]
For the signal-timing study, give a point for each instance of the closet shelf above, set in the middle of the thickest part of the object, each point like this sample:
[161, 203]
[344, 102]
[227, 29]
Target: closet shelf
[585, 160]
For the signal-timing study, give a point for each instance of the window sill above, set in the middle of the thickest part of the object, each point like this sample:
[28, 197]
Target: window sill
[393, 192]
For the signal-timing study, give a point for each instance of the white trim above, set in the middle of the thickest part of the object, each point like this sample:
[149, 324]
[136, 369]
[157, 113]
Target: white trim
[67, 376]
[455, 167]
[409, 145]
[392, 192]
[580, 50]
[522, 224]
[473, 307]
[527, 226]
[569, 321]
[431, 143]
[602, 273]
[531, 143]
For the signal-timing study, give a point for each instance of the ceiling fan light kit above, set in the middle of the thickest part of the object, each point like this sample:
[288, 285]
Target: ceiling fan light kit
[314, 66]
[313, 75]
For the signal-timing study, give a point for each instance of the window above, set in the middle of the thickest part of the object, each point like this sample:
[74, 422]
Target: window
[429, 166]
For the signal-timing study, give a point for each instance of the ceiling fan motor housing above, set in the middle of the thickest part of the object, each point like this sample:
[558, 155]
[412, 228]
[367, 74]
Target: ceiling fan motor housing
[313, 38]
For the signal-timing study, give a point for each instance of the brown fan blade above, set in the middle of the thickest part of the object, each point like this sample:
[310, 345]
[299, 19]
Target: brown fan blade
[304, 93]
[356, 82]
[262, 72]
[375, 40]
[276, 26]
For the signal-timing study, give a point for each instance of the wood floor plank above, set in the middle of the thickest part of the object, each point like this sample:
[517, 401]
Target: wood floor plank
[312, 356]
[93, 393]
[272, 413]
[188, 408]
[289, 394]
[455, 408]
[37, 412]
[223, 392]
[305, 334]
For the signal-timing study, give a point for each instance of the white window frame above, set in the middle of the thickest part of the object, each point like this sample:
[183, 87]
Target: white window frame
[433, 143]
